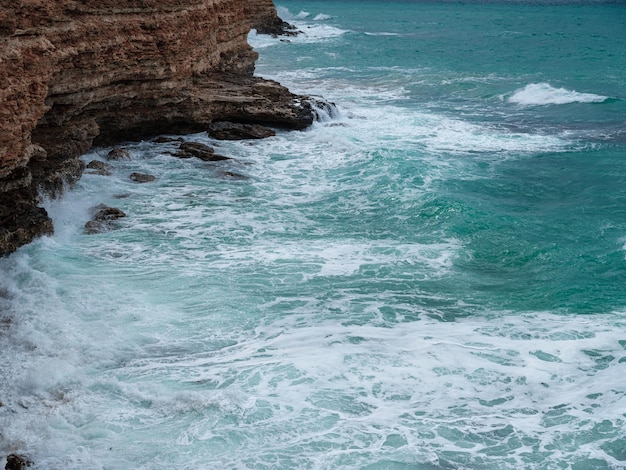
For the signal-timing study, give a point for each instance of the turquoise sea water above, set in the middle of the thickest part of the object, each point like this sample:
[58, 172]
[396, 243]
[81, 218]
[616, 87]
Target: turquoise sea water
[434, 277]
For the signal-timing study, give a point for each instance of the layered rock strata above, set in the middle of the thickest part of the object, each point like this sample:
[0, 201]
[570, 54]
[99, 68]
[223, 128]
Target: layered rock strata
[266, 21]
[77, 73]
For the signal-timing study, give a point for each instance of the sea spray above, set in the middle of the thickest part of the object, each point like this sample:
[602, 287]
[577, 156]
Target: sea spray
[544, 94]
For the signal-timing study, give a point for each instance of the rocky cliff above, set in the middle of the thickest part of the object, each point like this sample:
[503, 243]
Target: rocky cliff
[266, 21]
[74, 73]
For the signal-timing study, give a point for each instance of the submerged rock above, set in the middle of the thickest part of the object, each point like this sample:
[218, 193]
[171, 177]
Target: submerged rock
[118, 153]
[224, 130]
[198, 150]
[101, 221]
[141, 177]
[17, 462]
[234, 176]
[99, 168]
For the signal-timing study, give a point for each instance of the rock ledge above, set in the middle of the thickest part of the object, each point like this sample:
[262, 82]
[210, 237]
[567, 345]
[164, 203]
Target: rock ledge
[77, 73]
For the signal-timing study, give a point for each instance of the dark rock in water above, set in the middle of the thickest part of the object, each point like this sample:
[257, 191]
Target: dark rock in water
[98, 165]
[166, 140]
[198, 150]
[17, 462]
[93, 226]
[99, 168]
[53, 177]
[141, 178]
[118, 153]
[105, 212]
[235, 176]
[101, 221]
[224, 130]
[20, 219]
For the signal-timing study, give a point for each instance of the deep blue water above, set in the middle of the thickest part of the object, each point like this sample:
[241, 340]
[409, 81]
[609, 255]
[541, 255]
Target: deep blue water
[434, 277]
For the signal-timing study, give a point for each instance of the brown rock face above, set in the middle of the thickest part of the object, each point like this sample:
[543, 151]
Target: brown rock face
[266, 21]
[78, 72]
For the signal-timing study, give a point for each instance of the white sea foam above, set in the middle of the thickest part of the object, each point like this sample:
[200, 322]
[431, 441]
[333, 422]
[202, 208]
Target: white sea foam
[307, 381]
[224, 324]
[460, 137]
[382, 34]
[301, 15]
[367, 113]
[313, 30]
[545, 94]
[309, 33]
[261, 41]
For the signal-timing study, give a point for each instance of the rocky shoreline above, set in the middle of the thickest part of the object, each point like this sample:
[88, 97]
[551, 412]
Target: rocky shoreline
[80, 73]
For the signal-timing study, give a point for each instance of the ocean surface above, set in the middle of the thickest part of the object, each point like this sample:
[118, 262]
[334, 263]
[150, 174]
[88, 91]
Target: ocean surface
[431, 277]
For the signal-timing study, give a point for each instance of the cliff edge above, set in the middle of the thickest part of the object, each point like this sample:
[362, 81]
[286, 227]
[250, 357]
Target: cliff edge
[75, 73]
[265, 19]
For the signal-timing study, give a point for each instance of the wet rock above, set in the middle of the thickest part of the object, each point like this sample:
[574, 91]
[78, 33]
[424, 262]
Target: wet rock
[92, 227]
[97, 167]
[118, 153]
[21, 220]
[17, 462]
[101, 221]
[198, 150]
[141, 177]
[235, 176]
[105, 212]
[166, 140]
[224, 130]
[53, 177]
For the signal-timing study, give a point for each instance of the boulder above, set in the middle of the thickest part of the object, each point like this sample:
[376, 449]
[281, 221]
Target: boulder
[234, 176]
[101, 221]
[141, 177]
[97, 167]
[118, 153]
[224, 130]
[198, 150]
[17, 462]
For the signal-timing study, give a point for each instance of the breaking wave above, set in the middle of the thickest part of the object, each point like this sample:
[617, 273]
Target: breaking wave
[546, 94]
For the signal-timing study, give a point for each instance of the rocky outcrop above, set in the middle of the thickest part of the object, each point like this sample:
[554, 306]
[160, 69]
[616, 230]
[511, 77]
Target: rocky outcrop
[102, 219]
[17, 462]
[142, 177]
[266, 21]
[224, 130]
[198, 150]
[75, 73]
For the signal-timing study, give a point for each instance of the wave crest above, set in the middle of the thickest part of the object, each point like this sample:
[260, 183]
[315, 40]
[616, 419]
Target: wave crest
[545, 94]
